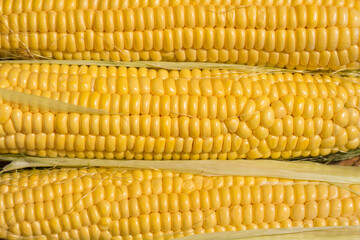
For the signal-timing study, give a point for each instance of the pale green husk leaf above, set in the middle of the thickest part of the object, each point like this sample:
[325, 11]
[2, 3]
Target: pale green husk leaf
[315, 233]
[44, 103]
[266, 168]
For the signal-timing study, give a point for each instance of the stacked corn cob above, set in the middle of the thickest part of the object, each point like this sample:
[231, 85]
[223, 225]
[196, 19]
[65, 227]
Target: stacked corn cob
[159, 114]
[189, 111]
[143, 204]
[295, 34]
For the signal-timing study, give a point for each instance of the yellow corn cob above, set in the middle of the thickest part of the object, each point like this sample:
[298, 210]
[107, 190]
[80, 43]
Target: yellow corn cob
[159, 114]
[295, 34]
[104, 203]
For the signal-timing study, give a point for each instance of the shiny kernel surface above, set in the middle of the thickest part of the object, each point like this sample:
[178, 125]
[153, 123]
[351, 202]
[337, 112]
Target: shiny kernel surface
[186, 114]
[294, 34]
[124, 204]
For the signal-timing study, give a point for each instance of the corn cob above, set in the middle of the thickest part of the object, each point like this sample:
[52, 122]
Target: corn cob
[187, 114]
[110, 203]
[294, 34]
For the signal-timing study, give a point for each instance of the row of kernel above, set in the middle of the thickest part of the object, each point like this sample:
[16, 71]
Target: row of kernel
[240, 116]
[174, 224]
[11, 72]
[229, 144]
[115, 125]
[89, 178]
[228, 108]
[198, 84]
[251, 114]
[9, 6]
[290, 195]
[269, 88]
[274, 86]
[203, 84]
[279, 137]
[16, 72]
[137, 145]
[230, 111]
[169, 40]
[188, 16]
[121, 143]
